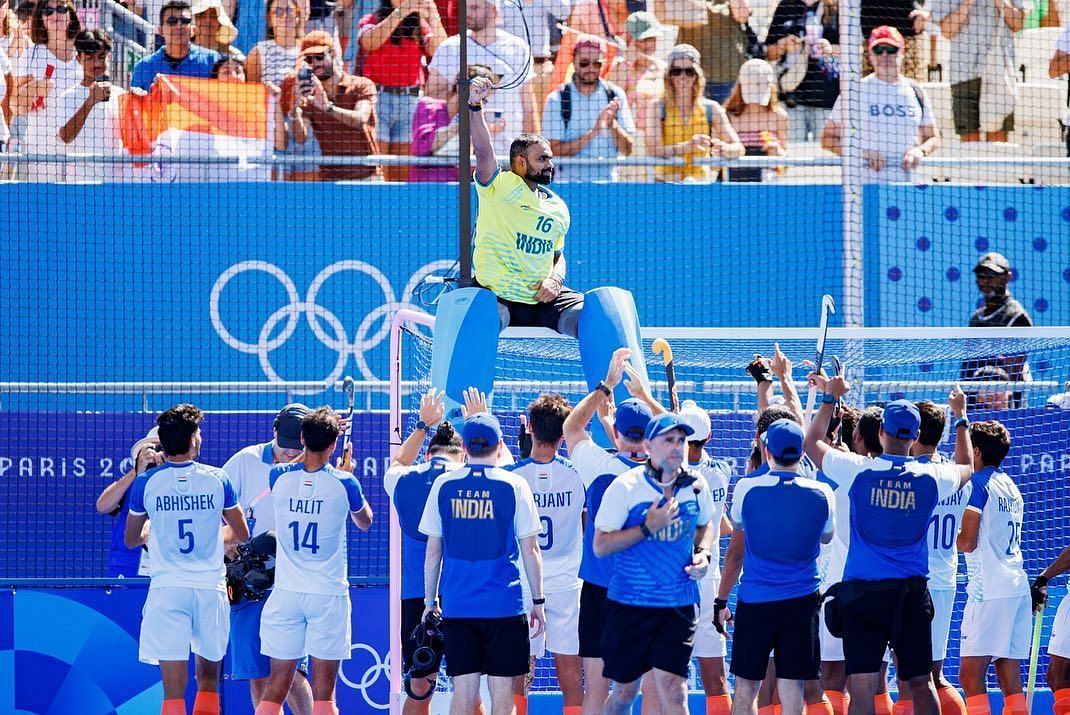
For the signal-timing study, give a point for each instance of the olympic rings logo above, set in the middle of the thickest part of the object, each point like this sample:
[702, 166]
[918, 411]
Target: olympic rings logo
[380, 668]
[373, 329]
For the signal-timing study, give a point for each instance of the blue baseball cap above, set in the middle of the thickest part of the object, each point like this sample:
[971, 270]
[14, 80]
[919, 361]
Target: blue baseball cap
[666, 422]
[481, 430]
[784, 440]
[633, 415]
[901, 419]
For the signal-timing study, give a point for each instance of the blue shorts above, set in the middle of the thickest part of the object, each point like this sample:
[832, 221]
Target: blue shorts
[243, 653]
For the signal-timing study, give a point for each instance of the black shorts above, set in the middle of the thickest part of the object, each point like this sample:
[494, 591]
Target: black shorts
[412, 612]
[541, 315]
[592, 615]
[869, 627]
[788, 629]
[493, 646]
[638, 638]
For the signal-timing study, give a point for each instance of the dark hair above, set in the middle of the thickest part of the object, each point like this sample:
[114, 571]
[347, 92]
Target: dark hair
[38, 31]
[869, 429]
[520, 145]
[408, 29]
[319, 429]
[547, 414]
[25, 10]
[224, 60]
[992, 440]
[445, 440]
[482, 450]
[771, 414]
[178, 5]
[933, 420]
[177, 427]
[848, 422]
[96, 40]
[269, 31]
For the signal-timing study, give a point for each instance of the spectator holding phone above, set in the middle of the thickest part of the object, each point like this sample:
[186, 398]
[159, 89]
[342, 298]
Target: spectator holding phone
[145, 454]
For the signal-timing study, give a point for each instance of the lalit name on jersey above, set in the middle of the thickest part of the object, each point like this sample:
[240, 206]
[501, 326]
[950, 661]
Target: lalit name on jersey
[306, 506]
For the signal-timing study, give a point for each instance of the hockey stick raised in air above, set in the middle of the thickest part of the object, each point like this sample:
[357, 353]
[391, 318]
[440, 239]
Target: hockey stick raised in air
[661, 347]
[828, 307]
[1034, 657]
[349, 388]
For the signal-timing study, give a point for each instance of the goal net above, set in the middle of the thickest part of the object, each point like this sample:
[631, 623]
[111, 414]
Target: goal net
[1018, 376]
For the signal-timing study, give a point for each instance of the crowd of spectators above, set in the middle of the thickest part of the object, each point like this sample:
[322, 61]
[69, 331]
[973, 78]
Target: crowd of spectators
[601, 79]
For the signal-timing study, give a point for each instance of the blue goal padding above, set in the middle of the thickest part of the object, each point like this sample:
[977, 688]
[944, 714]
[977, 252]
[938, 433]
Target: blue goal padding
[465, 345]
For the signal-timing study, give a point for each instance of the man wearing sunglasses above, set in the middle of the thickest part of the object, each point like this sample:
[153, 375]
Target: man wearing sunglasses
[589, 117]
[898, 127]
[178, 56]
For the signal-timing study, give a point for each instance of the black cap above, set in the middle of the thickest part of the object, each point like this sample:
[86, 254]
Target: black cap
[288, 425]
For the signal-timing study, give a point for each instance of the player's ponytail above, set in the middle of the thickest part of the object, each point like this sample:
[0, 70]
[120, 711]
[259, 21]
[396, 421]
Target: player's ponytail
[445, 439]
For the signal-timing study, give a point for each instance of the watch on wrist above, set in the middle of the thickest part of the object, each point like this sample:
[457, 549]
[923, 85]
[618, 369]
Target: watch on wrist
[421, 425]
[645, 529]
[828, 399]
[330, 108]
[430, 602]
[604, 389]
[962, 422]
[538, 601]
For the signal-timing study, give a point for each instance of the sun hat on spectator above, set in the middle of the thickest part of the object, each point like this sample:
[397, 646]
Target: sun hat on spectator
[685, 52]
[643, 25]
[227, 30]
[885, 35]
[315, 42]
[756, 82]
[153, 438]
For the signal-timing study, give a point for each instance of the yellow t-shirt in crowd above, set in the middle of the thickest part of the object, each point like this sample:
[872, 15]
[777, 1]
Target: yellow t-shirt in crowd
[518, 231]
[676, 129]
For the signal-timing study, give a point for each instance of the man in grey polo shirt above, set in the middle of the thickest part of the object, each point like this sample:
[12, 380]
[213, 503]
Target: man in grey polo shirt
[588, 117]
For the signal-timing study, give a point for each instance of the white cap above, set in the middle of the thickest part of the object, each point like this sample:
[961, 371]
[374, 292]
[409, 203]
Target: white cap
[153, 438]
[756, 81]
[697, 419]
[227, 30]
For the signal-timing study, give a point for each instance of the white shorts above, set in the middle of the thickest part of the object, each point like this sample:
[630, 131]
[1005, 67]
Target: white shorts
[943, 605]
[831, 646]
[563, 621]
[1059, 643]
[1000, 628]
[708, 642]
[297, 624]
[177, 619]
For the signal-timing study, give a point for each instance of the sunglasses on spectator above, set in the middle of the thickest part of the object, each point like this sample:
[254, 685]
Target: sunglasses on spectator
[284, 10]
[310, 58]
[50, 10]
[179, 21]
[589, 63]
[686, 71]
[885, 50]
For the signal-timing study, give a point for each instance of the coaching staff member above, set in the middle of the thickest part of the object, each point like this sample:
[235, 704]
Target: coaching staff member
[780, 520]
[480, 521]
[520, 229]
[656, 521]
[884, 597]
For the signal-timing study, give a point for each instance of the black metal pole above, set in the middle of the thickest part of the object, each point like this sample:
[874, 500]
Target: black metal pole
[464, 179]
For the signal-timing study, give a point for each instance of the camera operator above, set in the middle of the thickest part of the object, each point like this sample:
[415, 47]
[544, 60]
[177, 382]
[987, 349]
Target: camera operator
[145, 454]
[248, 470]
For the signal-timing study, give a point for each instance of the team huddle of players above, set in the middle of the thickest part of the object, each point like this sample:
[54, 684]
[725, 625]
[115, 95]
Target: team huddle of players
[844, 543]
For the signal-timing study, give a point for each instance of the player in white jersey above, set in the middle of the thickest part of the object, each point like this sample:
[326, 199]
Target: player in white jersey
[1058, 673]
[248, 470]
[308, 611]
[943, 562]
[996, 623]
[186, 608]
[559, 494]
[598, 468]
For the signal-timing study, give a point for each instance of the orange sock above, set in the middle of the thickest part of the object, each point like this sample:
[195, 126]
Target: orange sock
[768, 710]
[822, 708]
[978, 705]
[776, 709]
[1014, 704]
[882, 704]
[573, 709]
[1062, 701]
[173, 707]
[839, 701]
[718, 705]
[951, 703]
[267, 707]
[520, 702]
[206, 703]
[903, 707]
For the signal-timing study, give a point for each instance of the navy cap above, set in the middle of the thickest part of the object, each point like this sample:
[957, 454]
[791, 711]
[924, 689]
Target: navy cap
[481, 430]
[288, 425]
[666, 422]
[631, 419]
[901, 419]
[784, 440]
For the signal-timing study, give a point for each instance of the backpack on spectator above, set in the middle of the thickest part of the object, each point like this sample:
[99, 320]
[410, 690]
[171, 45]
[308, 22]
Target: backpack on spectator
[566, 101]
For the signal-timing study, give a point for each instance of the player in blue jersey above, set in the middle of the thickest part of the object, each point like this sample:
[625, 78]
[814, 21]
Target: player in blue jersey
[655, 521]
[782, 519]
[308, 611]
[481, 521]
[115, 502]
[249, 470]
[598, 467]
[884, 599]
[408, 486]
[187, 607]
[996, 623]
[559, 493]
